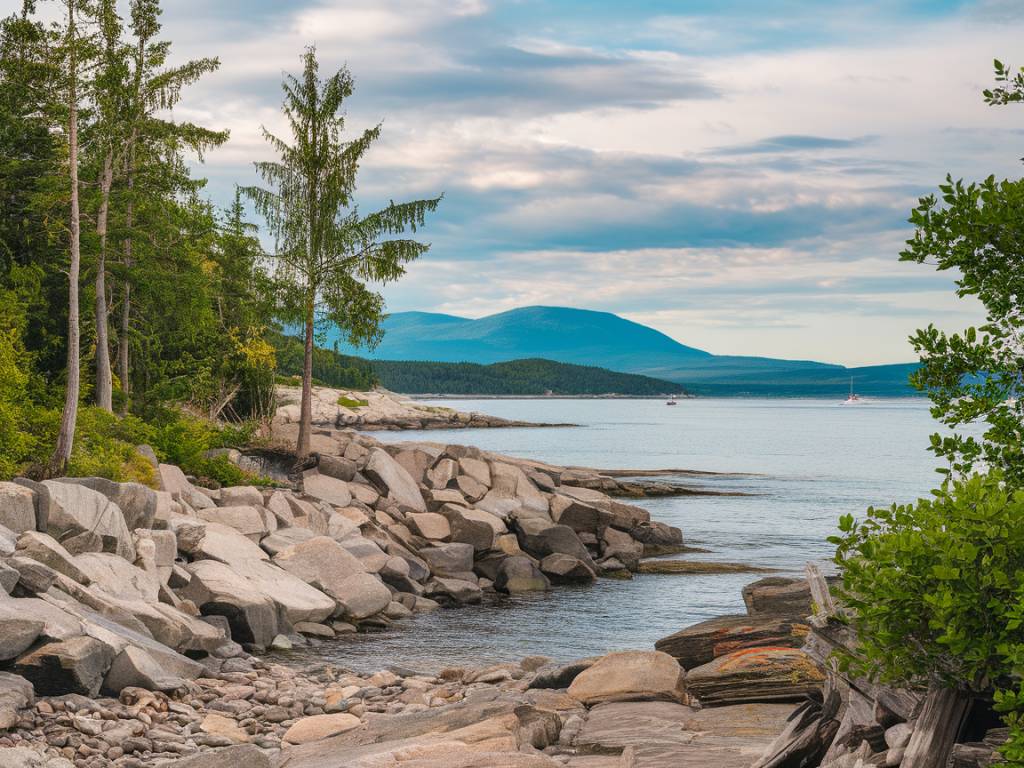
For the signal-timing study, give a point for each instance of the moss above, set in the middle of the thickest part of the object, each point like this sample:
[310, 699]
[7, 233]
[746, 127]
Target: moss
[351, 402]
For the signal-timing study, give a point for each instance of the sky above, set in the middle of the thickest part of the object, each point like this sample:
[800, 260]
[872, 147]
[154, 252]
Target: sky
[735, 173]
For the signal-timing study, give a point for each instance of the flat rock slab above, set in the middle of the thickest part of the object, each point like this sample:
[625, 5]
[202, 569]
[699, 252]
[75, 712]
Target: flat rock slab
[669, 735]
[757, 674]
[706, 641]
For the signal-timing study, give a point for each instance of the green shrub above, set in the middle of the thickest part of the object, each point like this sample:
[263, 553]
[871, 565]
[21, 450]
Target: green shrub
[936, 592]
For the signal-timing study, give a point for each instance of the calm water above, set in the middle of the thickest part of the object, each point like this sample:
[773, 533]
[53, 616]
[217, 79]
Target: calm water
[808, 462]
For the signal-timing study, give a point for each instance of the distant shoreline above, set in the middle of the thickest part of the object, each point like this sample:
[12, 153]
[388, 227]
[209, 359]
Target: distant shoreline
[867, 399]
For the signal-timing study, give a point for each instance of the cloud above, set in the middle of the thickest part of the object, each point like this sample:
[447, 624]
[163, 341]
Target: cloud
[739, 178]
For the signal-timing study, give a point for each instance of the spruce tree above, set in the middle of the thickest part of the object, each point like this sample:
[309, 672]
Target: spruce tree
[325, 249]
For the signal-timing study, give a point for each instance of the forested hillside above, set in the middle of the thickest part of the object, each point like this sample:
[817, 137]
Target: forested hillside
[517, 377]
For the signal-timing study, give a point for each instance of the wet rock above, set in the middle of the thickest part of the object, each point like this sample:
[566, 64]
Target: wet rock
[705, 641]
[566, 569]
[519, 574]
[631, 676]
[448, 591]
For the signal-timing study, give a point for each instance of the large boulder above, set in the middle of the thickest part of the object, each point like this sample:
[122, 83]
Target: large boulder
[472, 526]
[723, 635]
[75, 665]
[429, 525]
[247, 520]
[17, 632]
[46, 550]
[283, 538]
[15, 693]
[135, 668]
[757, 674]
[57, 624]
[17, 508]
[393, 480]
[80, 510]
[778, 596]
[578, 515]
[326, 488]
[519, 574]
[566, 569]
[631, 676]
[119, 578]
[236, 756]
[453, 591]
[219, 591]
[337, 467]
[173, 480]
[622, 546]
[241, 496]
[658, 538]
[362, 595]
[449, 559]
[555, 539]
[137, 503]
[214, 541]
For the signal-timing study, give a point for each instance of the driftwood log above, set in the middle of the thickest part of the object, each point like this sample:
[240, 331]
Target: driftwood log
[942, 717]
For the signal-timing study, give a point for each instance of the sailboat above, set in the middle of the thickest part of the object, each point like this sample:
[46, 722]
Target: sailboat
[852, 398]
[671, 400]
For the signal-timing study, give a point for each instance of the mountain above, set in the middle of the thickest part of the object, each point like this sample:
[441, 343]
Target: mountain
[585, 337]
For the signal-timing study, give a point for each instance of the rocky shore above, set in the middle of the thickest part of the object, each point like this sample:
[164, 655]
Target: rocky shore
[381, 410]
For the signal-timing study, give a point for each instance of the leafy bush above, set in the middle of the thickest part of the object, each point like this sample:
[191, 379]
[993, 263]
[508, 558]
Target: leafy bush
[936, 591]
[16, 439]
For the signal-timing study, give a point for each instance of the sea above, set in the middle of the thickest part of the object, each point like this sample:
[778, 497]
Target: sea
[796, 465]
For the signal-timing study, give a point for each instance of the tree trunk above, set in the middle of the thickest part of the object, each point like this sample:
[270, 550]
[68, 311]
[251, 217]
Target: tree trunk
[306, 406]
[66, 435]
[126, 299]
[104, 382]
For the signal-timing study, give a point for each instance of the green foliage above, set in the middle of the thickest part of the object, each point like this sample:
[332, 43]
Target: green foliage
[936, 591]
[351, 402]
[329, 368]
[1011, 86]
[517, 377]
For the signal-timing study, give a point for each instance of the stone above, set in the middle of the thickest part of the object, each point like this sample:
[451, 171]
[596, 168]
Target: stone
[756, 675]
[8, 541]
[17, 508]
[337, 467]
[15, 693]
[57, 624]
[237, 756]
[704, 642]
[898, 736]
[313, 630]
[448, 559]
[277, 504]
[364, 494]
[631, 676]
[555, 539]
[247, 520]
[218, 725]
[777, 595]
[472, 526]
[339, 527]
[8, 578]
[429, 525]
[442, 473]
[17, 632]
[135, 668]
[138, 503]
[623, 547]
[241, 496]
[578, 515]
[562, 675]
[326, 488]
[469, 488]
[477, 469]
[453, 591]
[75, 665]
[519, 574]
[46, 550]
[78, 509]
[320, 727]
[566, 569]
[283, 538]
[321, 562]
[368, 553]
[393, 480]
[219, 591]
[173, 480]
[415, 462]
[309, 515]
[510, 479]
[658, 538]
[119, 578]
[362, 595]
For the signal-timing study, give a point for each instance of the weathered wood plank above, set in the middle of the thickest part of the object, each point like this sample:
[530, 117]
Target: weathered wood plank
[941, 717]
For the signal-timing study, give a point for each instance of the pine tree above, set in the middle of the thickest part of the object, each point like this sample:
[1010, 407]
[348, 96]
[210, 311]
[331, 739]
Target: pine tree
[325, 248]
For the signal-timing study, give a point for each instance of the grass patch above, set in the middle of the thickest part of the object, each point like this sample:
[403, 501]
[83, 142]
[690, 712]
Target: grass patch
[351, 402]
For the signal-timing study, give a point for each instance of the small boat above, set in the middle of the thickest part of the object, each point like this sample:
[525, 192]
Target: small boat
[852, 398]
[672, 400]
